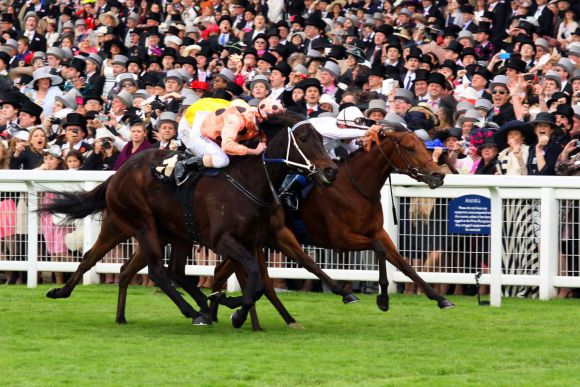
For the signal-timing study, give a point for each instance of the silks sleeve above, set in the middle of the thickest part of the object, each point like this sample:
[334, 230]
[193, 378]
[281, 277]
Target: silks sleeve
[233, 123]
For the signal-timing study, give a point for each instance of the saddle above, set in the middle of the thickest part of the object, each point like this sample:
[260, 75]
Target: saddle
[184, 193]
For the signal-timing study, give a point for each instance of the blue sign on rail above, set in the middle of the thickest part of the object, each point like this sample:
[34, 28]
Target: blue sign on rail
[470, 214]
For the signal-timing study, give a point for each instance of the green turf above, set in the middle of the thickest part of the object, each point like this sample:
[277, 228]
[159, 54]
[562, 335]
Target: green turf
[76, 342]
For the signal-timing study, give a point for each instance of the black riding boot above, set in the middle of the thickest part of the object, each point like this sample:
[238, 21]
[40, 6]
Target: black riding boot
[182, 167]
[290, 191]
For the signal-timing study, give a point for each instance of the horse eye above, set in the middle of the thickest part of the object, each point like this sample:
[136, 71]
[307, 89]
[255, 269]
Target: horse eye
[411, 148]
[303, 138]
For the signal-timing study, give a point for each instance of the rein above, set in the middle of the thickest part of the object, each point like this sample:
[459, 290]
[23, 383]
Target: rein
[253, 198]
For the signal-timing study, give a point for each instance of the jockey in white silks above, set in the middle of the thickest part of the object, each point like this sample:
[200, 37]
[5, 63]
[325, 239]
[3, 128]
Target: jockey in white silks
[233, 122]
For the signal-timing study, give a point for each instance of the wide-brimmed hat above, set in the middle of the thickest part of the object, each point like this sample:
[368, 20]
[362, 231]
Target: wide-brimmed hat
[53, 150]
[451, 132]
[499, 80]
[525, 128]
[111, 15]
[376, 105]
[104, 133]
[545, 118]
[69, 100]
[327, 99]
[489, 142]
[45, 73]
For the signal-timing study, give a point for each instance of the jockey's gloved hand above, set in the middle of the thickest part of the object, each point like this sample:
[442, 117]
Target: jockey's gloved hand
[341, 152]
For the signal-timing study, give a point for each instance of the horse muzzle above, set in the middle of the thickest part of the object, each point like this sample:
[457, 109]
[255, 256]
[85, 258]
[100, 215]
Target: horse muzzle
[327, 176]
[435, 180]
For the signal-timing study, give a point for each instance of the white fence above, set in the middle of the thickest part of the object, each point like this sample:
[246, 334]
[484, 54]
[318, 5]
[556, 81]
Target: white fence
[534, 239]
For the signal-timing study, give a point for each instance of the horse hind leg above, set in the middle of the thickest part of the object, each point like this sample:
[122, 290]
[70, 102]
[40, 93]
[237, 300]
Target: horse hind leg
[110, 236]
[393, 256]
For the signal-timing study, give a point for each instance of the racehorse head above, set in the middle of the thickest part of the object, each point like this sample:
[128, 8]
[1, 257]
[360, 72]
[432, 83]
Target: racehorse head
[292, 140]
[408, 155]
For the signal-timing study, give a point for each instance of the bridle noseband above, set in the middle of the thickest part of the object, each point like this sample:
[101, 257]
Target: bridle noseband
[410, 170]
[307, 166]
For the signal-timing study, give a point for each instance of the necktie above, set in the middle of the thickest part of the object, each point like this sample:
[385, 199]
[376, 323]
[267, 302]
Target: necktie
[310, 111]
[433, 104]
[408, 82]
[223, 39]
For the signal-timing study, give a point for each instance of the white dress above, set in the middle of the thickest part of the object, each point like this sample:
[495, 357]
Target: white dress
[109, 78]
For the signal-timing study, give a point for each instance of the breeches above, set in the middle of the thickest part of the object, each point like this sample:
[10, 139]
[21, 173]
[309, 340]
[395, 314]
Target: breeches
[200, 145]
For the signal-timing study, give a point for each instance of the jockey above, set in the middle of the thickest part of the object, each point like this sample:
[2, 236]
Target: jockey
[233, 124]
[339, 132]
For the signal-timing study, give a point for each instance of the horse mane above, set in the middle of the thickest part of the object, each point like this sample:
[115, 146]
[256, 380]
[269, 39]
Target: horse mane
[274, 123]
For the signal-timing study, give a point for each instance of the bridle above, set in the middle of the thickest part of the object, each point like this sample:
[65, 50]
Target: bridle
[306, 166]
[414, 172]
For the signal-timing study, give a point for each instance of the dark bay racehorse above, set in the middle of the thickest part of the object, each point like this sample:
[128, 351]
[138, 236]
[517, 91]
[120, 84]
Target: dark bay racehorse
[349, 216]
[231, 211]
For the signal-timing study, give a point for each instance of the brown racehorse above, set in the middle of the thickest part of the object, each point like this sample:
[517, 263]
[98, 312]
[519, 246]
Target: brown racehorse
[349, 216]
[231, 210]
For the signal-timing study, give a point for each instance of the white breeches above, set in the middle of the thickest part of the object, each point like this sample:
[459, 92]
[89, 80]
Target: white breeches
[200, 145]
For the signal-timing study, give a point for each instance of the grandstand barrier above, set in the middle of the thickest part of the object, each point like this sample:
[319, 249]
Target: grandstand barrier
[532, 239]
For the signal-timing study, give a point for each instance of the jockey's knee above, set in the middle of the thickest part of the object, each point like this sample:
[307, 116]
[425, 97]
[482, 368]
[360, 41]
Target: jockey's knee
[219, 161]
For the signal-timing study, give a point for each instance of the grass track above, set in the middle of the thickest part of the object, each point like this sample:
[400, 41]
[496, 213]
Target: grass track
[76, 342]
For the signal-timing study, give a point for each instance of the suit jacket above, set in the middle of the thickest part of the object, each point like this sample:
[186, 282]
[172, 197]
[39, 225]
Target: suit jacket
[249, 37]
[499, 20]
[436, 13]
[545, 21]
[95, 84]
[471, 27]
[215, 46]
[506, 113]
[37, 43]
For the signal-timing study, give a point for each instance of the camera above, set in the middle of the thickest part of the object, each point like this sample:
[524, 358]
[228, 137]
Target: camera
[107, 144]
[55, 120]
[158, 105]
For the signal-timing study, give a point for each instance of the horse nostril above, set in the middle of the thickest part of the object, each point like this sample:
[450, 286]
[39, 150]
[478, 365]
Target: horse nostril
[438, 176]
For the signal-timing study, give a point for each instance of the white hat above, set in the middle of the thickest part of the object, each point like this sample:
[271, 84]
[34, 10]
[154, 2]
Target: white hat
[53, 150]
[104, 133]
[44, 73]
[172, 39]
[325, 98]
[349, 115]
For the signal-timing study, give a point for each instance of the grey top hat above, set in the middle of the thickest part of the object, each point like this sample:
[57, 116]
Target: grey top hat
[96, 59]
[260, 78]
[313, 54]
[575, 76]
[69, 100]
[167, 117]
[120, 59]
[141, 94]
[12, 44]
[332, 68]
[376, 105]
[340, 20]
[125, 97]
[470, 115]
[227, 75]
[378, 16]
[541, 42]
[465, 34]
[499, 80]
[31, 14]
[43, 73]
[406, 11]
[461, 107]
[68, 25]
[566, 64]
[175, 75]
[483, 104]
[190, 100]
[395, 120]
[67, 52]
[405, 94]
[38, 55]
[574, 49]
[300, 68]
[553, 75]
[133, 16]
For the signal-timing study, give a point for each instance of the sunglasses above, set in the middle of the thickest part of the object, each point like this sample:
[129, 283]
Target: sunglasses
[500, 92]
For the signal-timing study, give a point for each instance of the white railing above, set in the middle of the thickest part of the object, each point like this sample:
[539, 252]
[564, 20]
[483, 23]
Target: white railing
[545, 197]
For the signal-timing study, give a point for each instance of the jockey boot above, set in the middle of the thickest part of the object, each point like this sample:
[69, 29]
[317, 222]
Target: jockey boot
[290, 191]
[182, 168]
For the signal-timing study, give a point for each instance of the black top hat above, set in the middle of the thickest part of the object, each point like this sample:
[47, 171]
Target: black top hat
[75, 119]
[7, 18]
[315, 21]
[31, 108]
[234, 88]
[224, 18]
[378, 70]
[319, 44]
[484, 27]
[188, 60]
[483, 71]
[415, 52]
[283, 67]
[13, 98]
[455, 46]
[94, 97]
[421, 75]
[467, 8]
[469, 51]
[136, 59]
[154, 16]
[297, 19]
[169, 51]
[449, 64]
[337, 52]
[452, 30]
[153, 30]
[516, 64]
[268, 58]
[524, 127]
[385, 29]
[309, 82]
[4, 57]
[77, 64]
[272, 32]
[251, 51]
[438, 78]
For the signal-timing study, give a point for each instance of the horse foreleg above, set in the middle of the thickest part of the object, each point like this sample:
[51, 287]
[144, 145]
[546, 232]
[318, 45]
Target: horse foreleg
[287, 243]
[222, 272]
[393, 256]
[383, 296]
[230, 248]
[128, 271]
[151, 249]
[177, 262]
[110, 236]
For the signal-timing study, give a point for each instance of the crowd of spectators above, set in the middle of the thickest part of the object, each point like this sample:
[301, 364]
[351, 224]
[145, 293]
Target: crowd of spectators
[492, 86]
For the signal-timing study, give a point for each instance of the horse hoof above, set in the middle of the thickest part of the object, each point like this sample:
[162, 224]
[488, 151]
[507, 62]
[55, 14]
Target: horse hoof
[201, 320]
[215, 296]
[296, 325]
[121, 321]
[383, 303]
[446, 304]
[350, 299]
[54, 293]
[237, 319]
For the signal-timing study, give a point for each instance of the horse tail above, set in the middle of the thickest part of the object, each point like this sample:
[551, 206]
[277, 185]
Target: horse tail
[77, 204]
